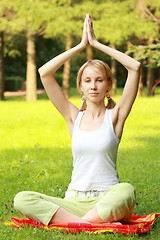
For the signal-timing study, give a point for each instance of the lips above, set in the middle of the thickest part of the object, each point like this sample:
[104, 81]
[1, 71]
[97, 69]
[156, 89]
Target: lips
[94, 94]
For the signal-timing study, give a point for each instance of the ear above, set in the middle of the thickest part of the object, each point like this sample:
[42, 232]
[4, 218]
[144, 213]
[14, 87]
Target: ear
[109, 85]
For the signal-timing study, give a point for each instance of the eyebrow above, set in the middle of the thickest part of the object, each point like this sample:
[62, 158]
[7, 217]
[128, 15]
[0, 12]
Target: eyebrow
[100, 76]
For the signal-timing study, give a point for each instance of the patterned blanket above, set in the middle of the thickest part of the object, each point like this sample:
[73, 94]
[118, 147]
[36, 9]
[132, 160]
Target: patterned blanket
[137, 224]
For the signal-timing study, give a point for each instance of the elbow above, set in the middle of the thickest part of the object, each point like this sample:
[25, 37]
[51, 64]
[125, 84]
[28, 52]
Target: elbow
[41, 72]
[138, 66]
[135, 67]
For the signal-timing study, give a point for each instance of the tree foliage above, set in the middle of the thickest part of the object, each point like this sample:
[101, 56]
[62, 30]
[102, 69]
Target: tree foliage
[151, 51]
[115, 22]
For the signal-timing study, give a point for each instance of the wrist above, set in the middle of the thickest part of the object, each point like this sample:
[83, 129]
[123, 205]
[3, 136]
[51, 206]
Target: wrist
[82, 45]
[93, 43]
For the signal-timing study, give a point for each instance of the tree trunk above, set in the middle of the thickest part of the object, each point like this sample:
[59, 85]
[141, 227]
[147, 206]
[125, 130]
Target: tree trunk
[150, 78]
[31, 78]
[150, 73]
[140, 87]
[1, 67]
[89, 53]
[66, 69]
[114, 79]
[114, 74]
[140, 6]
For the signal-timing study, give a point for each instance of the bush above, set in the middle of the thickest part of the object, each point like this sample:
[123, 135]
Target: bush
[14, 83]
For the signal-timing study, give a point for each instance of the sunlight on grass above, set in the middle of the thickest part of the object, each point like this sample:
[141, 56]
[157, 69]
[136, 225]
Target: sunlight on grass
[35, 155]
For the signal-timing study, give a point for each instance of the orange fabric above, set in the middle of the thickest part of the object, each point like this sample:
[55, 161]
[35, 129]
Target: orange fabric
[138, 224]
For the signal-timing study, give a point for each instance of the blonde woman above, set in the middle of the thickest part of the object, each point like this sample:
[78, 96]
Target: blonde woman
[94, 194]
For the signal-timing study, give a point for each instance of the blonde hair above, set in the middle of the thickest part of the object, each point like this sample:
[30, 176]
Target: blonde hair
[96, 63]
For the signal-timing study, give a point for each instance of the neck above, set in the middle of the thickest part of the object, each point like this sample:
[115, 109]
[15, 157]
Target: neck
[95, 109]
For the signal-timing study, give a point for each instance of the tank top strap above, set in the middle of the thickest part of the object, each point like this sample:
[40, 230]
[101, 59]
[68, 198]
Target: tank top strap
[108, 116]
[108, 119]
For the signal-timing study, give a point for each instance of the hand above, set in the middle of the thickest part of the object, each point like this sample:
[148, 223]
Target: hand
[111, 103]
[84, 40]
[91, 37]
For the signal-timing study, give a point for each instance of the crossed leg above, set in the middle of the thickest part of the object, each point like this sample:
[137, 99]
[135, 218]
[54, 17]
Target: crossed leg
[91, 217]
[63, 215]
[116, 205]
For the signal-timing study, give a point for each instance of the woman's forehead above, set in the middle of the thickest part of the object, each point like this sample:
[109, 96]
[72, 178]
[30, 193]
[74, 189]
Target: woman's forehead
[93, 70]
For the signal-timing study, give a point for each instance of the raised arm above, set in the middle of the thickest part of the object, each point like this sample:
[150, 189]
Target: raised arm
[47, 71]
[123, 107]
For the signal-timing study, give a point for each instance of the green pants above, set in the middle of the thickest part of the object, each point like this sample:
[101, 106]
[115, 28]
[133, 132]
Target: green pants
[116, 204]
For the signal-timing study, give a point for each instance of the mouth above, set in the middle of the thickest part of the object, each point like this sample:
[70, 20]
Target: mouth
[93, 94]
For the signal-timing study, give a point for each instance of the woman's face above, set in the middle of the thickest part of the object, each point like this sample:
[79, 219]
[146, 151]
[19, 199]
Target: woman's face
[94, 84]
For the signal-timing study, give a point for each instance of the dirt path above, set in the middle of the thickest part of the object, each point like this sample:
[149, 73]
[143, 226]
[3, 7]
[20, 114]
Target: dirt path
[21, 93]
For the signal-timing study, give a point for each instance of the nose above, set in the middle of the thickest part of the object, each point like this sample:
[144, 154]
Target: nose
[93, 85]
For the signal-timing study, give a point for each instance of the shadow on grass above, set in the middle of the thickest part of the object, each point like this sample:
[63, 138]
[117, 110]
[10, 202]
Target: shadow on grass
[41, 96]
[73, 92]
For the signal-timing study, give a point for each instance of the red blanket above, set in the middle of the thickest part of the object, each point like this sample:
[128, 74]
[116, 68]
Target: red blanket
[138, 224]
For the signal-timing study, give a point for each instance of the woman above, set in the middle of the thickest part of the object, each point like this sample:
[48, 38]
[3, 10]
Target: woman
[94, 194]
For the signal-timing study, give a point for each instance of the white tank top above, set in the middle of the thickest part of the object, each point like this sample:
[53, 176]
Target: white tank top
[94, 156]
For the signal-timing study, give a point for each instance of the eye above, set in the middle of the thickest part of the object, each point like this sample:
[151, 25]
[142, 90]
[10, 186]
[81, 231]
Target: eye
[87, 80]
[100, 80]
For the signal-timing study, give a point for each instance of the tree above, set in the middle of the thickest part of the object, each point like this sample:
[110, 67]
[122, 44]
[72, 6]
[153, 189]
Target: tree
[31, 76]
[7, 23]
[113, 27]
[151, 54]
[149, 25]
[152, 10]
[65, 26]
[69, 26]
[22, 17]
[114, 77]
[1, 68]
[66, 69]
[29, 12]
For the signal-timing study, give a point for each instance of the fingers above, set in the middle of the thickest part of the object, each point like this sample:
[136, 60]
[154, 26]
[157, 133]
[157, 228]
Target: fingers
[85, 23]
[89, 24]
[84, 40]
[88, 21]
[90, 31]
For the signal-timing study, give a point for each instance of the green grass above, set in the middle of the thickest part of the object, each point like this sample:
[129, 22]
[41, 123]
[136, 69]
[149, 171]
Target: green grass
[35, 155]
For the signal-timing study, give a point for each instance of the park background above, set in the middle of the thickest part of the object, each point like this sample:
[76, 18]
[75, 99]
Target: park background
[34, 140]
[34, 31]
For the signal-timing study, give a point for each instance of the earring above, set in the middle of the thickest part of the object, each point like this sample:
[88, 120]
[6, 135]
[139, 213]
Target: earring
[83, 104]
[108, 96]
[83, 98]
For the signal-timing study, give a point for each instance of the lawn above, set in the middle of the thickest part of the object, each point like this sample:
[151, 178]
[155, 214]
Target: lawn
[35, 155]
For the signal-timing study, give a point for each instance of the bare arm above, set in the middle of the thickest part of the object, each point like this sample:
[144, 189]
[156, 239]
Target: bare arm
[123, 107]
[47, 71]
